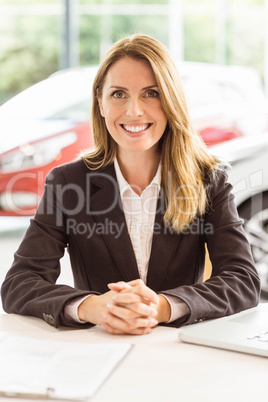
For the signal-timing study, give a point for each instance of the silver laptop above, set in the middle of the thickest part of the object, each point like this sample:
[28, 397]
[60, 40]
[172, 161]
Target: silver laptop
[245, 332]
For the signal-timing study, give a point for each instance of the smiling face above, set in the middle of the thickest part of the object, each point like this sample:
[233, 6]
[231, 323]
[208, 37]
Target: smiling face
[130, 104]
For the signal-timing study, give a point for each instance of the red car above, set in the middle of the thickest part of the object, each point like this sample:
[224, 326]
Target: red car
[48, 124]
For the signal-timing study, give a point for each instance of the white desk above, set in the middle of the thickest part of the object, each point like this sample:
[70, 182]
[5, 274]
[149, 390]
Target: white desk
[160, 368]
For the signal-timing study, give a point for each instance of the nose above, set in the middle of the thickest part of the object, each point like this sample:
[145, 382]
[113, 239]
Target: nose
[134, 107]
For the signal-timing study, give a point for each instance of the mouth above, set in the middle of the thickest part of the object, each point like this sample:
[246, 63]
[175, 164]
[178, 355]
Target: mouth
[135, 129]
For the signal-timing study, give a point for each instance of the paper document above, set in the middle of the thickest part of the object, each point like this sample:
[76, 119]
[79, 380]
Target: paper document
[53, 369]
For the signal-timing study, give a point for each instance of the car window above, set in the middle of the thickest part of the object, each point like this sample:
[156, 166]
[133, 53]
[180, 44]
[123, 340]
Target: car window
[232, 94]
[78, 113]
[50, 97]
[201, 93]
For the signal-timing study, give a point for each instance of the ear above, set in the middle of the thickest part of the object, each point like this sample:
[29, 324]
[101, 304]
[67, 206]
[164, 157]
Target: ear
[100, 103]
[101, 107]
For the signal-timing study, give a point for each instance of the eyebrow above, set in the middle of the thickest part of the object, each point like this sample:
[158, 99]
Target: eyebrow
[126, 89]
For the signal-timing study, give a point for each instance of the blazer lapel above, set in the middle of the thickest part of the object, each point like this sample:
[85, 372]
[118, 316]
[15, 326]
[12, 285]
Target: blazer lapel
[107, 211]
[164, 246]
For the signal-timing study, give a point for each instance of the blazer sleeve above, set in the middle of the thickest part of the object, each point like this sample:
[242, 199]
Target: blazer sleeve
[30, 285]
[234, 284]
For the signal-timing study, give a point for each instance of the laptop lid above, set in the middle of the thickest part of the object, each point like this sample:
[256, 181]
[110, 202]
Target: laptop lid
[245, 332]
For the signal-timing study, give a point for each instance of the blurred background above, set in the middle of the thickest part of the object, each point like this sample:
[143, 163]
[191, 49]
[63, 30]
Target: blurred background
[39, 38]
[49, 51]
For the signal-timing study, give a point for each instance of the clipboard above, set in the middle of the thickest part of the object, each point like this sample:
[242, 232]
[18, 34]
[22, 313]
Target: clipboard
[43, 369]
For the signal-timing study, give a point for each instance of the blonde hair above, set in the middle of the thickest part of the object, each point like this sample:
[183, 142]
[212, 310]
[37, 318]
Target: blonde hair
[186, 163]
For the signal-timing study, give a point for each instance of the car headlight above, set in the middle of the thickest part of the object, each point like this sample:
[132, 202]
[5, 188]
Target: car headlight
[29, 156]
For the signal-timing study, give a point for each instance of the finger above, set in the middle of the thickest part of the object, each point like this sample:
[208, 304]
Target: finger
[127, 298]
[114, 331]
[134, 303]
[122, 312]
[118, 286]
[128, 327]
[139, 287]
[136, 282]
[132, 318]
[136, 286]
[132, 312]
[125, 285]
[111, 330]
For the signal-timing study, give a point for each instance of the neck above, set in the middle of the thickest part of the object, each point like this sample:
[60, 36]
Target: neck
[138, 169]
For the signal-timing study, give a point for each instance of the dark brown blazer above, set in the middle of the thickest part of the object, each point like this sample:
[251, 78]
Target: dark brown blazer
[81, 209]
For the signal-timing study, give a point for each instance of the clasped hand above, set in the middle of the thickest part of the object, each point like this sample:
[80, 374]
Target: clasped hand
[128, 308]
[132, 310]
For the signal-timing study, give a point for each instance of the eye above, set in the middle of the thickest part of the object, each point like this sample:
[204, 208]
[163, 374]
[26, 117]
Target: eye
[152, 94]
[118, 94]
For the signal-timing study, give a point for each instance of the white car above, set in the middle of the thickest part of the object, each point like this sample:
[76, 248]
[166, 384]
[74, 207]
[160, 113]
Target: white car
[248, 157]
[48, 123]
[230, 96]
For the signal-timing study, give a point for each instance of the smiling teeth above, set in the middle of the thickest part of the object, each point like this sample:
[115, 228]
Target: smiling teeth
[136, 129]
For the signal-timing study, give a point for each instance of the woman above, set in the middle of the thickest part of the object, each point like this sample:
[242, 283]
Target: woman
[135, 214]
